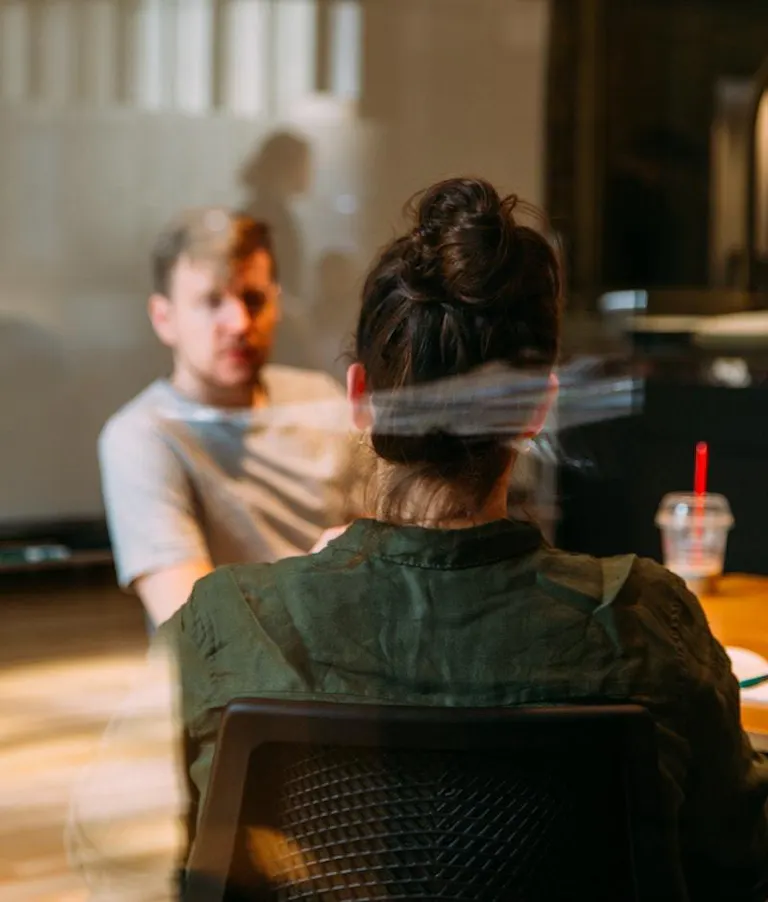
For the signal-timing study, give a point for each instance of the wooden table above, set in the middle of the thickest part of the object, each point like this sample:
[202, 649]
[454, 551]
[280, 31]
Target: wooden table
[738, 615]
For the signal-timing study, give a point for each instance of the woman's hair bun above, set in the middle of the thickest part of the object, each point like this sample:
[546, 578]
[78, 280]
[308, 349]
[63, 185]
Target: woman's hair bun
[463, 236]
[466, 286]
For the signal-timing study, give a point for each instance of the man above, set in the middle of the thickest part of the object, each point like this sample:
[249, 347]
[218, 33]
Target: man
[226, 460]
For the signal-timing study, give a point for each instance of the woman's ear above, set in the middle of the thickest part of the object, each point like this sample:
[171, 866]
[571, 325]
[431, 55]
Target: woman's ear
[357, 395]
[541, 414]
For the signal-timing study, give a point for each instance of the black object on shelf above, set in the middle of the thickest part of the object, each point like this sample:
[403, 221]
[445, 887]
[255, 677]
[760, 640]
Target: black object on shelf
[66, 544]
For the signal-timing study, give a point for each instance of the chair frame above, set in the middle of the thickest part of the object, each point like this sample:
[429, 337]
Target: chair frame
[250, 723]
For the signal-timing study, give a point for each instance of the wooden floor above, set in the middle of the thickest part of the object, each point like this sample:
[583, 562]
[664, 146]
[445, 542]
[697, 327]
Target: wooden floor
[71, 647]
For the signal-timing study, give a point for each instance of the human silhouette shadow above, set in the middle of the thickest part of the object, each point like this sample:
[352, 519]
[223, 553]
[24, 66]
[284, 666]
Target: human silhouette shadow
[277, 172]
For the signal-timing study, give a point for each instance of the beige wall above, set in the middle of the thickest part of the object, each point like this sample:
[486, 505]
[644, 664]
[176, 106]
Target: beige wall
[100, 148]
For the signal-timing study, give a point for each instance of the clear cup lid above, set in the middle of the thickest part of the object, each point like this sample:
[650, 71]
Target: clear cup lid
[678, 508]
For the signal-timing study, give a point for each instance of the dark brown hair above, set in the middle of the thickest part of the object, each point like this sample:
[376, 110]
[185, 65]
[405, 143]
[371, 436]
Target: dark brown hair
[467, 286]
[239, 238]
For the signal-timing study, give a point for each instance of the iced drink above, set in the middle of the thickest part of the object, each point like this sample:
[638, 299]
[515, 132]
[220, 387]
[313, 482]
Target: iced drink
[694, 533]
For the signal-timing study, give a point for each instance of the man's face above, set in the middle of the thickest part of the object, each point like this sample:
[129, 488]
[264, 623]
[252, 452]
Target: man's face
[219, 319]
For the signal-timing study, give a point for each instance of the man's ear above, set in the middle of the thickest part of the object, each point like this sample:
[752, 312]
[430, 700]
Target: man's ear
[357, 395]
[540, 416]
[161, 316]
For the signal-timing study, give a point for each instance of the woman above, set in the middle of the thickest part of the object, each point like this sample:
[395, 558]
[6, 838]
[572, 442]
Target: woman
[439, 598]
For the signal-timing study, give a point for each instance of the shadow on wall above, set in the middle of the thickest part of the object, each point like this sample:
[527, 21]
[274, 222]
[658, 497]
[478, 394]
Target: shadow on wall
[277, 172]
[318, 313]
[320, 336]
[335, 309]
[36, 407]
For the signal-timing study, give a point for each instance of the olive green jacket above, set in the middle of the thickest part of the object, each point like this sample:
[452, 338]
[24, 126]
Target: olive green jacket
[490, 616]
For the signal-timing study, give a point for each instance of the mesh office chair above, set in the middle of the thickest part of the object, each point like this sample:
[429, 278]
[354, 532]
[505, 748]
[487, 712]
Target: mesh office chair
[318, 801]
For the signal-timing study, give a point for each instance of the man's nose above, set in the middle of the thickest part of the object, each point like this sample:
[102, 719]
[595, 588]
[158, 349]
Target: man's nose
[237, 317]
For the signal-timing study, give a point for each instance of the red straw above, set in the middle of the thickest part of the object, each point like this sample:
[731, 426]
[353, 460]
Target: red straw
[700, 470]
[700, 490]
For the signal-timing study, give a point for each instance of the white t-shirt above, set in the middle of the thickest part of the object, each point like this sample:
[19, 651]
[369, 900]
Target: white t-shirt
[184, 481]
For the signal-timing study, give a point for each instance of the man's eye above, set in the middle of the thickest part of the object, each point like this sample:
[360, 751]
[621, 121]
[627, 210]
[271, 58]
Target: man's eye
[254, 300]
[213, 300]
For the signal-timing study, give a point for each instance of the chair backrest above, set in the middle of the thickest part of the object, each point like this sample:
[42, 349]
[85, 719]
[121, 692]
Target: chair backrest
[319, 801]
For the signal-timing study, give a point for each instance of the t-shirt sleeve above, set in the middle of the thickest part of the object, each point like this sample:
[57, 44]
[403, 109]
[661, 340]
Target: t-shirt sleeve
[149, 502]
[723, 819]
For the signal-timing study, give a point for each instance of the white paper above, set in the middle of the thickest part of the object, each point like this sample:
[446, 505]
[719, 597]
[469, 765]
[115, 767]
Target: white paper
[747, 665]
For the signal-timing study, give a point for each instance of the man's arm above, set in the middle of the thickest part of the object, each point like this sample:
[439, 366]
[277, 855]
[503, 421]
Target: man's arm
[159, 547]
[165, 591]
[328, 536]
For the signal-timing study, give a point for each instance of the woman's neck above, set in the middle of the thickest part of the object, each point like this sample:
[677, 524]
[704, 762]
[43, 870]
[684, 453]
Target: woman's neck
[429, 507]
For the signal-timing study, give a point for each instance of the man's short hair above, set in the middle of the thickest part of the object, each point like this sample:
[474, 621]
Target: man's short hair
[212, 233]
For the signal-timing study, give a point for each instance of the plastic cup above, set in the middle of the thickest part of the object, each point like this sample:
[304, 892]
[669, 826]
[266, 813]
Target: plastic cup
[694, 534]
